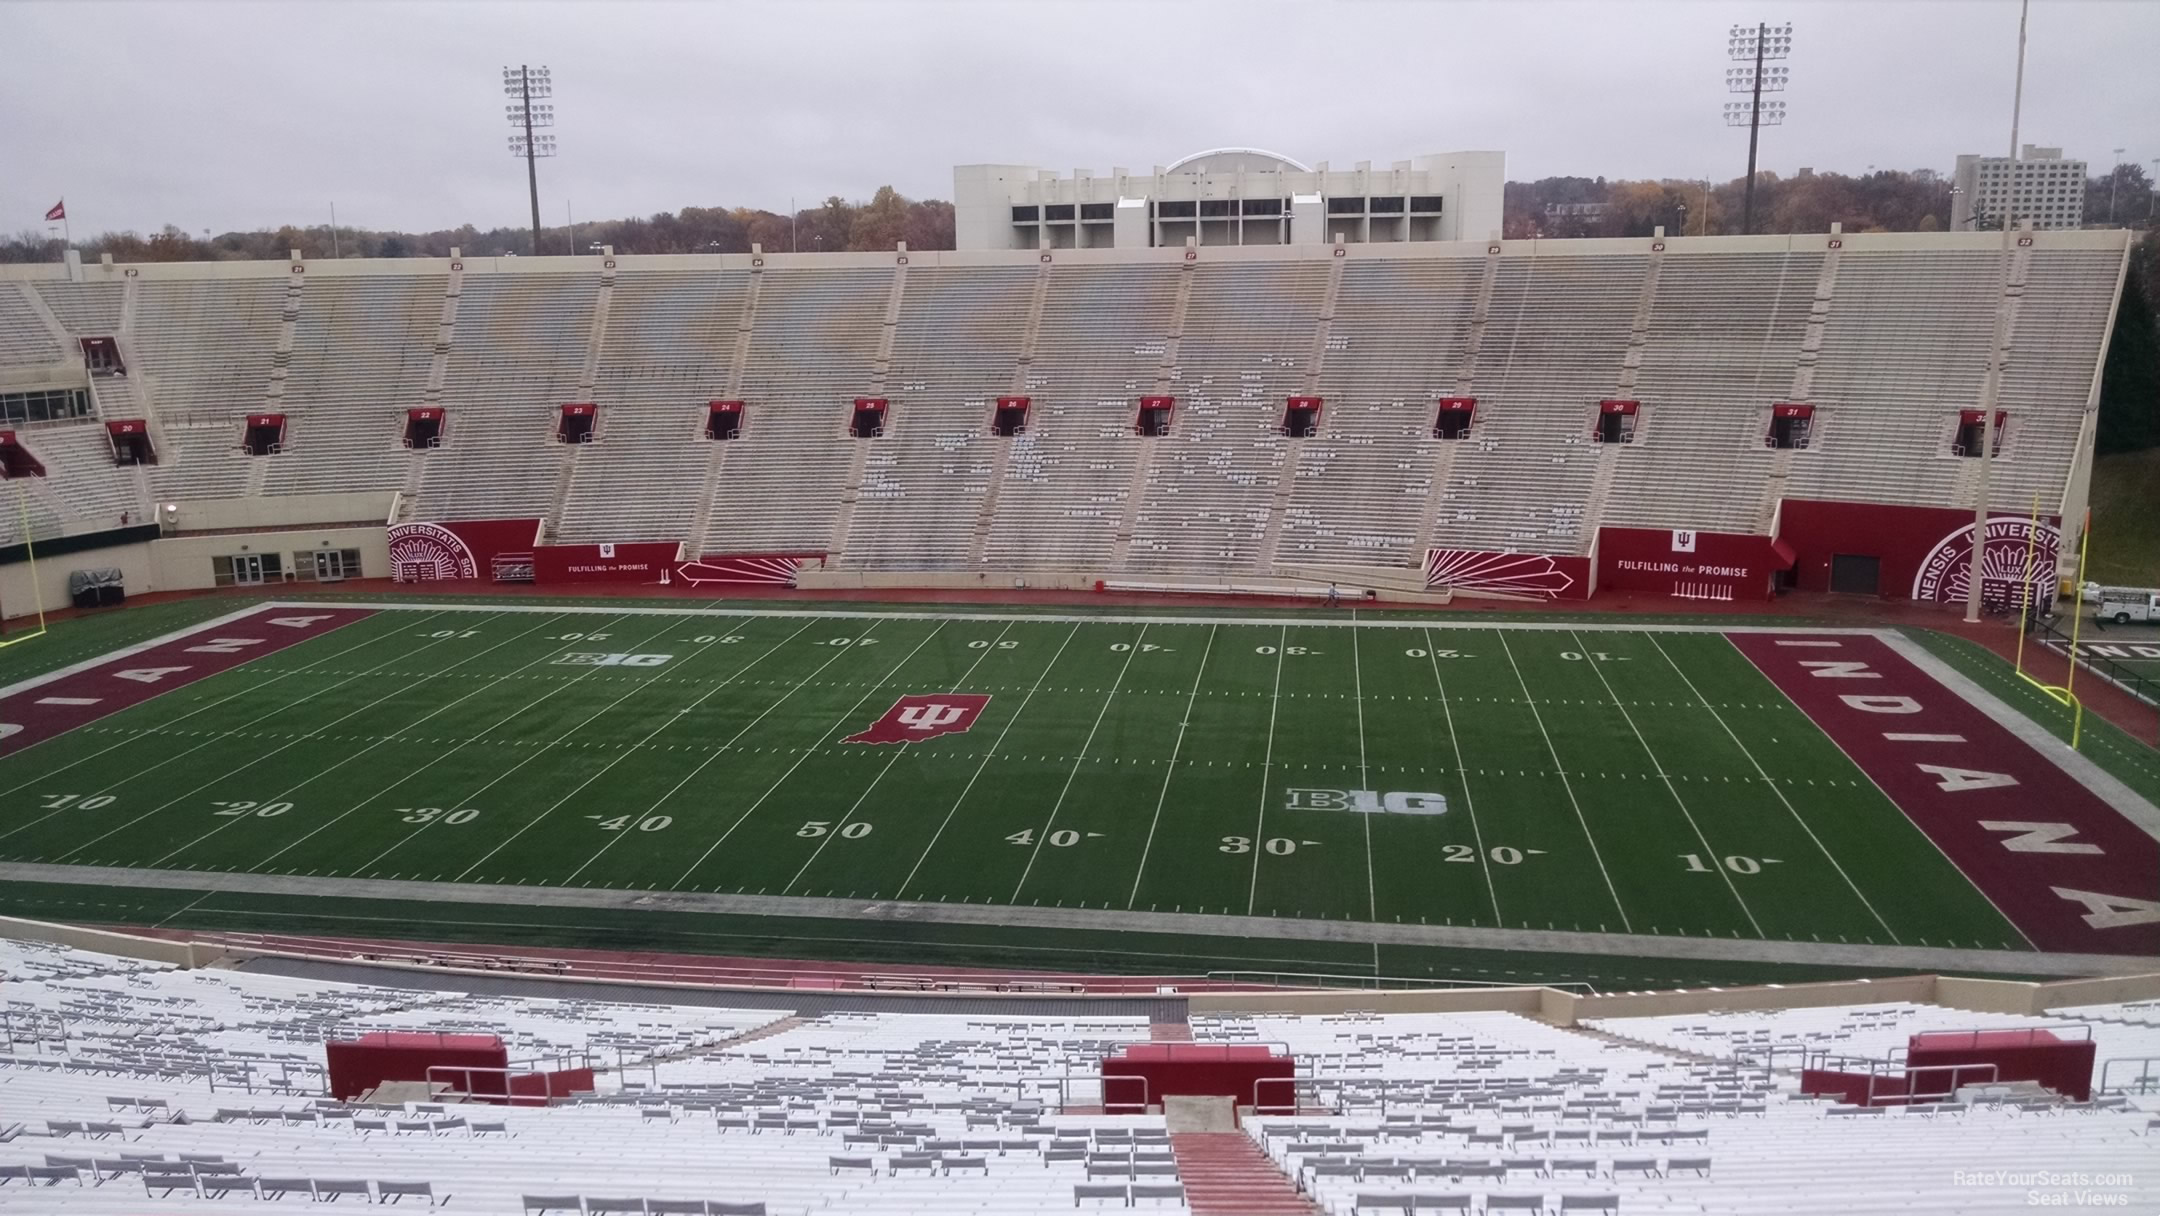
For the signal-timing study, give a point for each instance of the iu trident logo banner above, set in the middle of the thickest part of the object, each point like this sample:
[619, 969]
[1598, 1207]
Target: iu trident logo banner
[924, 717]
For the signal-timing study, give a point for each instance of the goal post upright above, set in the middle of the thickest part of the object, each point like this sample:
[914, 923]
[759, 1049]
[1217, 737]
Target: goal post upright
[37, 595]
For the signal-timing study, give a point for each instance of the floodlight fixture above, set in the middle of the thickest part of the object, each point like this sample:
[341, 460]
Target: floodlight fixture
[1752, 45]
[523, 84]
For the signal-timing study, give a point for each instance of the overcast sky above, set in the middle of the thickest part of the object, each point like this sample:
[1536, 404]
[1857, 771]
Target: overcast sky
[247, 115]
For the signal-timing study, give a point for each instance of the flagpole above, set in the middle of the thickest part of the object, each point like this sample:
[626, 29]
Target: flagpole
[67, 230]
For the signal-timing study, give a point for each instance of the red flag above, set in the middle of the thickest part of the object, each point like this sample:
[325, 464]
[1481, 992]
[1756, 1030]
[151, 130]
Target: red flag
[58, 212]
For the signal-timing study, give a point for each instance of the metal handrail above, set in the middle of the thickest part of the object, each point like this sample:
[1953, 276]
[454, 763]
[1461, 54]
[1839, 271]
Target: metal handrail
[509, 1096]
[2147, 1081]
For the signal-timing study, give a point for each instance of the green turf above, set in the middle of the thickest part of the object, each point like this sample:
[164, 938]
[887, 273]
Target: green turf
[2131, 759]
[1119, 764]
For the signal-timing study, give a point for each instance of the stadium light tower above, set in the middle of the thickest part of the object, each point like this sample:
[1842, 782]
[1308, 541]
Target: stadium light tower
[1752, 45]
[522, 85]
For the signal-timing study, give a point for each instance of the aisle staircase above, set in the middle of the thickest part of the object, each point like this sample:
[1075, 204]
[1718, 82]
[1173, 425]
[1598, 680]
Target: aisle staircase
[1226, 1174]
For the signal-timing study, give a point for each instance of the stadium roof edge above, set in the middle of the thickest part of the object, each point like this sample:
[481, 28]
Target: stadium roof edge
[2109, 240]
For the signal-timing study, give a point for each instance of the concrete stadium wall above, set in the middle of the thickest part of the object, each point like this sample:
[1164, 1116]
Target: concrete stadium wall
[181, 563]
[154, 949]
[20, 596]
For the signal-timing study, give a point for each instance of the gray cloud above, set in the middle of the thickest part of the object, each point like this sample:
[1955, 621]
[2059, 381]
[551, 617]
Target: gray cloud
[243, 115]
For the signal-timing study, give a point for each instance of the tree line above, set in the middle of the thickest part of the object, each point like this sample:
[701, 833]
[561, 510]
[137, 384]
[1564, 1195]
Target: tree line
[837, 225]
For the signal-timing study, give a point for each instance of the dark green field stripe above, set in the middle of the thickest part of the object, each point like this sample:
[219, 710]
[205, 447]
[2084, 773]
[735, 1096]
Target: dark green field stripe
[804, 776]
[175, 725]
[921, 782]
[1545, 871]
[1751, 843]
[1639, 825]
[1429, 869]
[612, 827]
[1200, 858]
[159, 791]
[976, 862]
[1111, 805]
[1324, 868]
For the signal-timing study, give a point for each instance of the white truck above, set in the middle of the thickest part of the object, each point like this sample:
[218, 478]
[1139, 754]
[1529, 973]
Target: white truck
[2123, 605]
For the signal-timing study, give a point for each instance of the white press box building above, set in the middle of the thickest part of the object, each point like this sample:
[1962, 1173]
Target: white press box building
[1230, 196]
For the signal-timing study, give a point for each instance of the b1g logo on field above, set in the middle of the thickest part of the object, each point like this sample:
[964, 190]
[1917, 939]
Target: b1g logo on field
[582, 658]
[1367, 802]
[924, 716]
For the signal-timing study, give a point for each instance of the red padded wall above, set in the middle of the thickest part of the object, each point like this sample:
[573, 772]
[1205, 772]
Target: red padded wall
[2063, 1065]
[358, 1065]
[1193, 1068]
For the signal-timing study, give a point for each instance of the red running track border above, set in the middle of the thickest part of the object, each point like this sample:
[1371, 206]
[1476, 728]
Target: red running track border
[2065, 867]
[38, 709]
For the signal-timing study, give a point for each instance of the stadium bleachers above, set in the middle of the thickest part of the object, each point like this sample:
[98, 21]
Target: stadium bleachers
[517, 360]
[1886, 337]
[25, 340]
[133, 1087]
[954, 352]
[668, 351]
[813, 351]
[1067, 479]
[1210, 488]
[1362, 486]
[362, 348]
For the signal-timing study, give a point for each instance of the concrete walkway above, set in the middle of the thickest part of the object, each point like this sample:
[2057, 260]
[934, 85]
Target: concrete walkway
[1906, 959]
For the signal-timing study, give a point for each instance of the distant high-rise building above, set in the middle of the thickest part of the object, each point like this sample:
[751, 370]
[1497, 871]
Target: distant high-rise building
[2039, 185]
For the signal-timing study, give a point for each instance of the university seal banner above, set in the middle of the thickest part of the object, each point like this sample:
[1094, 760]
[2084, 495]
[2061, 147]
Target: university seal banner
[464, 548]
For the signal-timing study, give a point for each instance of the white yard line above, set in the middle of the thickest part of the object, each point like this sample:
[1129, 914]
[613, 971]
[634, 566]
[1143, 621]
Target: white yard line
[838, 725]
[1079, 759]
[954, 809]
[1267, 765]
[1447, 713]
[1357, 675]
[514, 714]
[1671, 790]
[848, 816]
[1192, 699]
[1760, 771]
[408, 774]
[287, 793]
[1560, 767]
[620, 755]
[1408, 621]
[722, 750]
[203, 709]
[220, 737]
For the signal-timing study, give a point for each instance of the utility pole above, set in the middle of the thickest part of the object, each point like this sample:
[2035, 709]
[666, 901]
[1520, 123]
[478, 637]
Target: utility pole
[522, 84]
[1991, 383]
[1753, 45]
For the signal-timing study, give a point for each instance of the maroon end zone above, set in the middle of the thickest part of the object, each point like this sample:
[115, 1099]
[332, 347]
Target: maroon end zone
[2065, 867]
[36, 710]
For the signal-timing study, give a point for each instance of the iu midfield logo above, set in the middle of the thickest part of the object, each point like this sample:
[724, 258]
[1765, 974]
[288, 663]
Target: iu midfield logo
[924, 716]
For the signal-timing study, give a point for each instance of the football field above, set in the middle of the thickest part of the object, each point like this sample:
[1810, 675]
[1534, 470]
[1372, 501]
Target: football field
[1649, 781]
